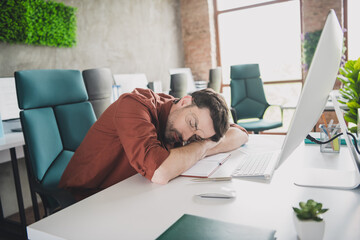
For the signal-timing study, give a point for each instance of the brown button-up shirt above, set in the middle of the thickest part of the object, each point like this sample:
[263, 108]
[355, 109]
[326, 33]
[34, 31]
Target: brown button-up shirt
[125, 140]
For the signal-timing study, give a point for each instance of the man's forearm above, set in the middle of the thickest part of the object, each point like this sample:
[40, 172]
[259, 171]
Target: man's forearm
[181, 159]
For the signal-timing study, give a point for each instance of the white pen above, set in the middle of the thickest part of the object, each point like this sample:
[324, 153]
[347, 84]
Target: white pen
[334, 130]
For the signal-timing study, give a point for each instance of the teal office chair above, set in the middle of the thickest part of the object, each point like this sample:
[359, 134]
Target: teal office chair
[248, 98]
[55, 117]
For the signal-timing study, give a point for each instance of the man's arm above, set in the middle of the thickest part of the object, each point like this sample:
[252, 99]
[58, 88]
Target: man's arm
[182, 158]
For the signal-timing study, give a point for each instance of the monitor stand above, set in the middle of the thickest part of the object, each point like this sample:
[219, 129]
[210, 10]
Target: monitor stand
[328, 178]
[332, 178]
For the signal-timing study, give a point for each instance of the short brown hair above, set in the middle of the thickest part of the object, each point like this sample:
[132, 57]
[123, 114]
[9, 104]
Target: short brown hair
[219, 112]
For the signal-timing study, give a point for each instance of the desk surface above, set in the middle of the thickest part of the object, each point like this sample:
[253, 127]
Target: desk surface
[11, 140]
[138, 209]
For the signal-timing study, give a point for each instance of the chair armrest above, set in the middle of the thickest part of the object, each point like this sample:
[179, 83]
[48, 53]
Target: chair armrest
[281, 110]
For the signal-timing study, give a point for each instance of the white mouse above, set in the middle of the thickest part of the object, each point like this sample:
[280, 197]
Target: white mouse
[219, 193]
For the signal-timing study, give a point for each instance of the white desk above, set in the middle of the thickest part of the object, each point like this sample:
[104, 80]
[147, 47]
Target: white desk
[138, 209]
[11, 141]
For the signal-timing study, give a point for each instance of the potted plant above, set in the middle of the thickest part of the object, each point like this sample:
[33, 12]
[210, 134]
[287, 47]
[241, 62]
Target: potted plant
[350, 91]
[308, 220]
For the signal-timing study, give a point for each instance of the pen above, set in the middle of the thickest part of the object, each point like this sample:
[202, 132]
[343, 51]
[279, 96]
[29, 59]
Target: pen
[330, 123]
[334, 131]
[211, 179]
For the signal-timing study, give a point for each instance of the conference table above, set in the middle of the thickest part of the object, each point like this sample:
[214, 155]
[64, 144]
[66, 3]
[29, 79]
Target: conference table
[11, 142]
[138, 209]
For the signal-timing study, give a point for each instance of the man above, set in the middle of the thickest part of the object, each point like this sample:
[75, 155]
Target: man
[155, 135]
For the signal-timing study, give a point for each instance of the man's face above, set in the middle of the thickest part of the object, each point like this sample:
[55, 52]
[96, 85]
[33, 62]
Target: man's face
[188, 124]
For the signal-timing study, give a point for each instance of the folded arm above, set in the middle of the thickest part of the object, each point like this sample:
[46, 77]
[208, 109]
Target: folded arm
[182, 158]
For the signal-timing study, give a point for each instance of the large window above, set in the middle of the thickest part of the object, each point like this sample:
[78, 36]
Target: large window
[353, 30]
[267, 33]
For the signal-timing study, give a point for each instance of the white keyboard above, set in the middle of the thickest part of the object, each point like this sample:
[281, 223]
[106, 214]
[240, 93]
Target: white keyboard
[256, 165]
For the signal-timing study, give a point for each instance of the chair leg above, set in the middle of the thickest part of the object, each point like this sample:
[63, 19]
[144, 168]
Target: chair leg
[32, 192]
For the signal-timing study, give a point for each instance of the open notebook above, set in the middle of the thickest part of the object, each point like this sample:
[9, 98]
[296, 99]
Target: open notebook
[207, 166]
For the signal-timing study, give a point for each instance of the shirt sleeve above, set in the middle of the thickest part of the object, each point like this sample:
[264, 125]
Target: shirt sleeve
[135, 124]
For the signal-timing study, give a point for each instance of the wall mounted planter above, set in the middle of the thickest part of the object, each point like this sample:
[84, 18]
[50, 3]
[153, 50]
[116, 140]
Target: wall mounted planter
[37, 22]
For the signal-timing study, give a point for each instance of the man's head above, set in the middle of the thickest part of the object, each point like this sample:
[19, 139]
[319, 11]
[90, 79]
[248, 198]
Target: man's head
[203, 115]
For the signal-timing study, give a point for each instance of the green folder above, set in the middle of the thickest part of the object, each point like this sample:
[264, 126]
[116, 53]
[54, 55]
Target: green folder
[197, 228]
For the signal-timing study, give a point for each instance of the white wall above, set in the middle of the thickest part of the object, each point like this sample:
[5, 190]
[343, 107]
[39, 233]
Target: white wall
[127, 36]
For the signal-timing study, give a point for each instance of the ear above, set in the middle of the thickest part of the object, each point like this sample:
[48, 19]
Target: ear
[185, 101]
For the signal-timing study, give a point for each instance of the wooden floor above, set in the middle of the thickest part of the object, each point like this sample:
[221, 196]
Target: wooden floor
[29, 213]
[30, 218]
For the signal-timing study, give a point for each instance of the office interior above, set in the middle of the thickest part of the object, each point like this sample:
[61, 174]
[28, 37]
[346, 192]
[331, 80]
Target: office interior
[139, 36]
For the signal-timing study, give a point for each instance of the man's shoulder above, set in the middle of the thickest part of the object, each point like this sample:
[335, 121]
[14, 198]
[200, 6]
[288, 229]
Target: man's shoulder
[145, 96]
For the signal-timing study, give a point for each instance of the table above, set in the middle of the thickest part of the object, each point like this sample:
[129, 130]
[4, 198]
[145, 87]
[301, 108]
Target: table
[138, 209]
[9, 142]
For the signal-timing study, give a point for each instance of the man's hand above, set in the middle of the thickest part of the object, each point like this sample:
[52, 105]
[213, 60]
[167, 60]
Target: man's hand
[181, 159]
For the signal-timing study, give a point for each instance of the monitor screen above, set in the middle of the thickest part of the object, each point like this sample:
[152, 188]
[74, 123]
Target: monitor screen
[319, 82]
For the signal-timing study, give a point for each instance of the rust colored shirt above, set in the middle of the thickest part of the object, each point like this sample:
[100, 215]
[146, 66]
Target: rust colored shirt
[125, 140]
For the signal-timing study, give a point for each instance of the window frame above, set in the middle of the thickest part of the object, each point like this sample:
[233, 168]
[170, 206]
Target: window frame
[218, 57]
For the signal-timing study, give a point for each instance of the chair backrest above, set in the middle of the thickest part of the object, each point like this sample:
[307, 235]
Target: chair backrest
[190, 79]
[215, 79]
[98, 84]
[55, 118]
[247, 91]
[178, 85]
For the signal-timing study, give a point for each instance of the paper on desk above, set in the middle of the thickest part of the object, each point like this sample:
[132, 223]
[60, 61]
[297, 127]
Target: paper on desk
[207, 166]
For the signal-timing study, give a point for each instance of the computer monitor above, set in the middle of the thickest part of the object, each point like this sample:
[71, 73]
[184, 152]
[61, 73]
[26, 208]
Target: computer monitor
[319, 83]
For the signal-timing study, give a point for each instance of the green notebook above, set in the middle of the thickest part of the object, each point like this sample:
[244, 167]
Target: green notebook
[197, 228]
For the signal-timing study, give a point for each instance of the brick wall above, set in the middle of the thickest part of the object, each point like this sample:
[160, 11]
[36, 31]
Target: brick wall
[314, 13]
[198, 36]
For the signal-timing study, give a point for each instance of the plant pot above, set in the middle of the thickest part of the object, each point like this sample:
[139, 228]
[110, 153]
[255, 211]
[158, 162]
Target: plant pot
[309, 229]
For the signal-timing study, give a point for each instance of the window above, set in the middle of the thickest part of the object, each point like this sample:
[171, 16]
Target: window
[268, 33]
[353, 30]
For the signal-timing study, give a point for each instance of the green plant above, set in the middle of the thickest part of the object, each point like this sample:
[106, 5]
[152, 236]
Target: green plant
[350, 91]
[310, 42]
[310, 210]
[37, 22]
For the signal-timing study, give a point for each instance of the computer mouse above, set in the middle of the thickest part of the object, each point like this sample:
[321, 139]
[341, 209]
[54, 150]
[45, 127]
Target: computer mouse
[219, 193]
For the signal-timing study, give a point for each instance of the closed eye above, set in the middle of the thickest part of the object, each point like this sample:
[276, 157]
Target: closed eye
[193, 125]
